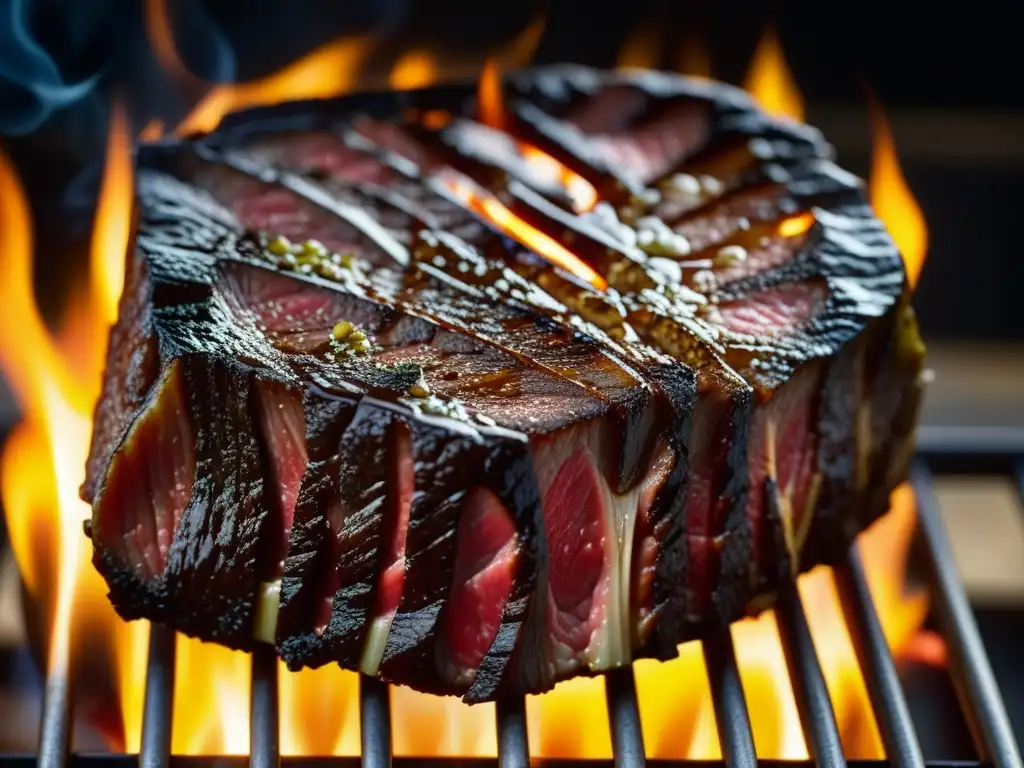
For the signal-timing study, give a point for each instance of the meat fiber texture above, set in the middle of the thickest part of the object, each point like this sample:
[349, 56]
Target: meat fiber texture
[347, 414]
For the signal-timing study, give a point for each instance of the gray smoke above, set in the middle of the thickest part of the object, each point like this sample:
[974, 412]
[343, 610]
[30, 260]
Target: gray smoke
[65, 56]
[32, 82]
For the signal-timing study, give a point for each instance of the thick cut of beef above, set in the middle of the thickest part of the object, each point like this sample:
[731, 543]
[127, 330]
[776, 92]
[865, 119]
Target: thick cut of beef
[478, 410]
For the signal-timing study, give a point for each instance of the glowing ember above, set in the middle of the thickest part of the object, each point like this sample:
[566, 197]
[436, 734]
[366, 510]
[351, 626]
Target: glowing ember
[770, 81]
[796, 225]
[489, 105]
[540, 243]
[892, 199]
[491, 112]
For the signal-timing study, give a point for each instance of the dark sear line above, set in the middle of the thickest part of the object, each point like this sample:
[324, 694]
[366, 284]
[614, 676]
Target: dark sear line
[494, 245]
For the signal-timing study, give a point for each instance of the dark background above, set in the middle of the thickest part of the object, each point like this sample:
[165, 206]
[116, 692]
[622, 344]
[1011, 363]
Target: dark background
[947, 74]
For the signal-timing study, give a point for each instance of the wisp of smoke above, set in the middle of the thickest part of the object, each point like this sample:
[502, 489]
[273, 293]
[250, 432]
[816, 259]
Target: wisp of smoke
[32, 85]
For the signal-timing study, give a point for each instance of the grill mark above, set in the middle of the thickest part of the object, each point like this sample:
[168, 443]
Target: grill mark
[604, 252]
[569, 146]
[315, 194]
[371, 228]
[745, 144]
[473, 140]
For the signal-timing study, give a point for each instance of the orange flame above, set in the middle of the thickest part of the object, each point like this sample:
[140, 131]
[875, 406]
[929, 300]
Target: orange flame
[489, 103]
[160, 33]
[113, 220]
[520, 51]
[770, 81]
[152, 130]
[56, 381]
[330, 70]
[892, 199]
[491, 112]
[415, 69]
[541, 243]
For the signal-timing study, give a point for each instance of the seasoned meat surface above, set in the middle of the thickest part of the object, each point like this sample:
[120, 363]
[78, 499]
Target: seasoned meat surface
[478, 409]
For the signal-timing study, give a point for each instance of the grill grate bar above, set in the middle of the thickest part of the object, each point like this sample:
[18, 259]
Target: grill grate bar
[877, 667]
[513, 744]
[155, 750]
[375, 722]
[981, 701]
[264, 748]
[812, 700]
[57, 724]
[731, 714]
[624, 717]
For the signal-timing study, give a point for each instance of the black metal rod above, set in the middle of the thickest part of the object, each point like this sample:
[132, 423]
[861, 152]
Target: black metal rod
[375, 722]
[876, 664]
[157, 714]
[264, 742]
[56, 726]
[972, 674]
[513, 744]
[624, 717]
[1019, 472]
[970, 442]
[812, 700]
[731, 714]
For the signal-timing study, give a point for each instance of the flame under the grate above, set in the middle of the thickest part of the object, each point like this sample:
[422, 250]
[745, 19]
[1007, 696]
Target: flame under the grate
[56, 378]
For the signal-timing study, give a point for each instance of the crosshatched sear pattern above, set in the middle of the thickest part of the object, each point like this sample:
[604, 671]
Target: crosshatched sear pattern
[477, 410]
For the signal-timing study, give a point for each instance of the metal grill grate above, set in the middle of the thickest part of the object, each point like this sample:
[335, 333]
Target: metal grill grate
[1000, 451]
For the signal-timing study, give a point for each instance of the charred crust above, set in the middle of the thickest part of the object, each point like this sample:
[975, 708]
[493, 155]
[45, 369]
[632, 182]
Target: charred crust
[733, 588]
[131, 370]
[445, 466]
[508, 667]
[679, 386]
[350, 558]
[214, 563]
[776, 554]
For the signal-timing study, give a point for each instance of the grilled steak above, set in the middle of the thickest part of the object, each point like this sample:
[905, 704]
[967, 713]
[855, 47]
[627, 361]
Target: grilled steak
[476, 409]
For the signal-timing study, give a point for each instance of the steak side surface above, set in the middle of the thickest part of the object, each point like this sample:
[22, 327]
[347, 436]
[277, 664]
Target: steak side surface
[355, 407]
